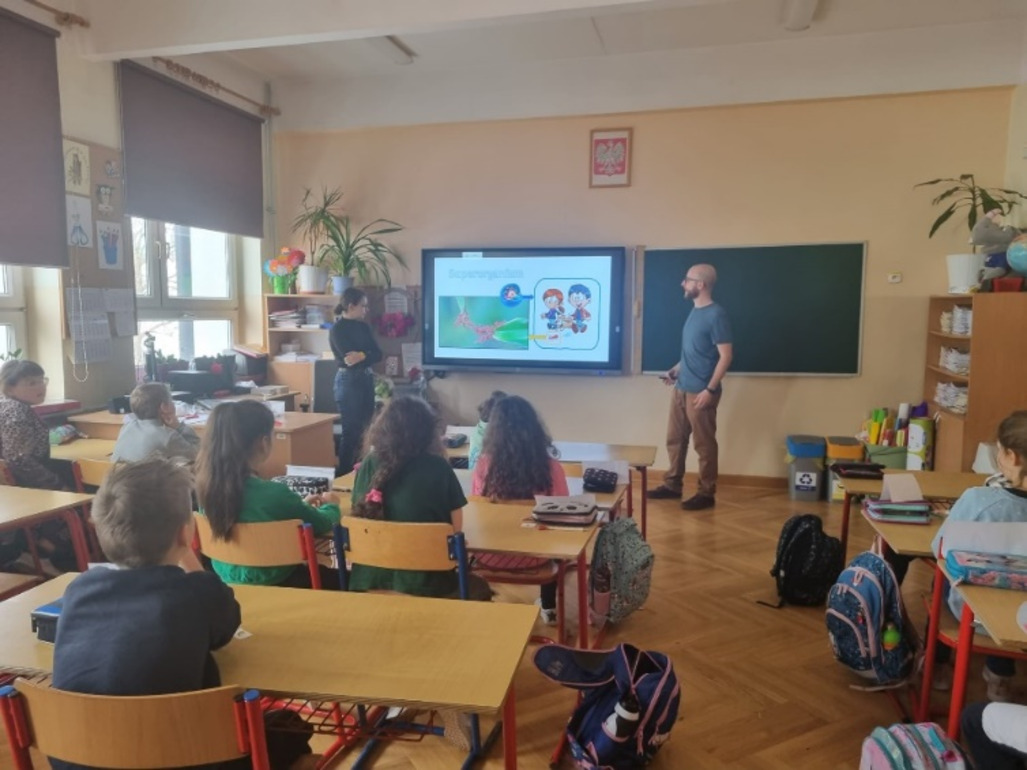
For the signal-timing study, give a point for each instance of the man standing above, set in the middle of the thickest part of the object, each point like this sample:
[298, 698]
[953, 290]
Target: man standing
[705, 357]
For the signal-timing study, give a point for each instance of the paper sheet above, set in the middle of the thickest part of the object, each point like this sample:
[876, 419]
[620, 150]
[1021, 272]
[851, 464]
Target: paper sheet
[84, 300]
[396, 301]
[89, 326]
[93, 351]
[125, 324]
[119, 300]
[411, 356]
[901, 488]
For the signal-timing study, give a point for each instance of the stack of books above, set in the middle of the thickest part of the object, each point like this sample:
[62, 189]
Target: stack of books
[912, 512]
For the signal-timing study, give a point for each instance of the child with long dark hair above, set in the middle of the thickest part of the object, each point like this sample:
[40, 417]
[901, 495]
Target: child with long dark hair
[237, 441]
[516, 464]
[405, 477]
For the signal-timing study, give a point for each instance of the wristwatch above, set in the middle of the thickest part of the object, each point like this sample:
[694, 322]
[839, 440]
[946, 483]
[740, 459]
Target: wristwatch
[710, 390]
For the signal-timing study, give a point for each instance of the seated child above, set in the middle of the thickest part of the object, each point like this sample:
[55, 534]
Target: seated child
[478, 436]
[236, 443]
[996, 734]
[405, 477]
[516, 464]
[993, 503]
[148, 625]
[156, 428]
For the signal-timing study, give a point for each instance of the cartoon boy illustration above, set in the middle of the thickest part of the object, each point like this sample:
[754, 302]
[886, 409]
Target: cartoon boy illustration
[579, 296]
[553, 300]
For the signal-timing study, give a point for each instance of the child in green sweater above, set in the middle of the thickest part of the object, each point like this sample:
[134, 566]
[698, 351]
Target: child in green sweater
[237, 442]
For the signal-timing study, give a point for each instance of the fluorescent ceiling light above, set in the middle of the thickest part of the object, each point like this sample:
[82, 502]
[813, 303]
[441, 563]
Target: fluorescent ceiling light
[392, 48]
[799, 14]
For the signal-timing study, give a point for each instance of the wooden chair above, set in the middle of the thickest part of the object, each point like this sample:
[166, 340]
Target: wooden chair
[400, 545]
[88, 475]
[267, 544]
[155, 731]
[12, 584]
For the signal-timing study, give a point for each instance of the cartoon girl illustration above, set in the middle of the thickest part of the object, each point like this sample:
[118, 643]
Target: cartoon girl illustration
[553, 300]
[579, 296]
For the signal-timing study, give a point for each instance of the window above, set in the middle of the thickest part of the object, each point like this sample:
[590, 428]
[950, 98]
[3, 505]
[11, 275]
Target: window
[185, 288]
[13, 334]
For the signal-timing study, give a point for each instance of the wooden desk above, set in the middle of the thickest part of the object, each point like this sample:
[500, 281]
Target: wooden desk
[299, 438]
[84, 449]
[641, 458]
[21, 508]
[935, 485]
[356, 648]
[498, 527]
[908, 539]
[996, 610]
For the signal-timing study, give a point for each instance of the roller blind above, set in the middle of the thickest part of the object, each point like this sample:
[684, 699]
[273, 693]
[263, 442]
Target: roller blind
[32, 218]
[190, 159]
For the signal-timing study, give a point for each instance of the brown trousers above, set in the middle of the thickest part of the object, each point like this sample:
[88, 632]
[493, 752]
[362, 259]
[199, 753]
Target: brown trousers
[701, 426]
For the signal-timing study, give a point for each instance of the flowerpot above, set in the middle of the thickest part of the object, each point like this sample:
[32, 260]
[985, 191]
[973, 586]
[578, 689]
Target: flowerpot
[964, 272]
[340, 283]
[311, 279]
[280, 284]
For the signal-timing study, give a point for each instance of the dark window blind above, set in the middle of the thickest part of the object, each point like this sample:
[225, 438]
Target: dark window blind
[190, 159]
[32, 218]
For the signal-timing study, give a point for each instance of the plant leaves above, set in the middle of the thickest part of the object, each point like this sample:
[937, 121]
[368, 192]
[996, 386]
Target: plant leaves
[946, 215]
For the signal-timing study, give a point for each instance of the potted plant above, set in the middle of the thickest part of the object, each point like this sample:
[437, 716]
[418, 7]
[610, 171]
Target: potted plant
[345, 250]
[282, 269]
[966, 198]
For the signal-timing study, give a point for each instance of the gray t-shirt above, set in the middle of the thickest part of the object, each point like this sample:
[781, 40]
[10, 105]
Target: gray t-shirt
[704, 329]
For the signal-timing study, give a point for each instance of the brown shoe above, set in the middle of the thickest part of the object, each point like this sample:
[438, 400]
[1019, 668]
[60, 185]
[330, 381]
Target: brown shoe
[698, 503]
[663, 492]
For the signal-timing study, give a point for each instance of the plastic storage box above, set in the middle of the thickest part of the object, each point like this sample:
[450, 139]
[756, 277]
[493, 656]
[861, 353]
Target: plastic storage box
[888, 456]
[806, 467]
[840, 449]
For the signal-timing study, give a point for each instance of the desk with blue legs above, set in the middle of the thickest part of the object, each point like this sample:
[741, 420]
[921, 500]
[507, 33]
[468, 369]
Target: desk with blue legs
[373, 649]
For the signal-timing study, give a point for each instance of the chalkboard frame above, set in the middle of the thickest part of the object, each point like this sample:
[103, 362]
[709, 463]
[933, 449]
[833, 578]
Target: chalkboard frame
[641, 314]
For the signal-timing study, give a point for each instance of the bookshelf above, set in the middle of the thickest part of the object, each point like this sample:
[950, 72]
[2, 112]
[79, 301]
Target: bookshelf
[997, 379]
[298, 375]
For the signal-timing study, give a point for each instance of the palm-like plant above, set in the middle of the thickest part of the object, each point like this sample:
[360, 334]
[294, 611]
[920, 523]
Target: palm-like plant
[977, 201]
[345, 250]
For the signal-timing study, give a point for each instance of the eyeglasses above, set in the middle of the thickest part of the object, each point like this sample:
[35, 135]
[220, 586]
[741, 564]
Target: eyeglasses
[689, 279]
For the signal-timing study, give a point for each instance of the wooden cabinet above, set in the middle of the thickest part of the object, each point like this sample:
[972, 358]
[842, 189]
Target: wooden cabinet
[997, 379]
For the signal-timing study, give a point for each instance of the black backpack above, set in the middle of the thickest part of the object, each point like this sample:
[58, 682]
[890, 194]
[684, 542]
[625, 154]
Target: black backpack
[808, 562]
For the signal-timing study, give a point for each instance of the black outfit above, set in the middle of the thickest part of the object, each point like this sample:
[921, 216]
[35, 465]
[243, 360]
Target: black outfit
[988, 754]
[354, 386]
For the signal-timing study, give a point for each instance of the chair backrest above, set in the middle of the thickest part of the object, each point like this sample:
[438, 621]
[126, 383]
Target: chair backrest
[6, 477]
[90, 472]
[400, 545]
[153, 731]
[267, 544]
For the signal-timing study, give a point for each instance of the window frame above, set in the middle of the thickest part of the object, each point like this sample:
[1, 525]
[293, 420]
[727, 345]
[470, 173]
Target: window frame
[13, 310]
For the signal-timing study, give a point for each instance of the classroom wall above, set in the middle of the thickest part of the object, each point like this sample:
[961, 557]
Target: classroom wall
[1016, 155]
[831, 170]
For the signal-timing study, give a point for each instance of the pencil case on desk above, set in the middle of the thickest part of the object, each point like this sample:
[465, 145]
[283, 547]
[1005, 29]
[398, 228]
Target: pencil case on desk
[854, 470]
[994, 570]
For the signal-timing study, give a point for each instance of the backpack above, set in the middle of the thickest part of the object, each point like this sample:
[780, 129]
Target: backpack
[605, 677]
[807, 562]
[911, 747]
[622, 569]
[861, 606]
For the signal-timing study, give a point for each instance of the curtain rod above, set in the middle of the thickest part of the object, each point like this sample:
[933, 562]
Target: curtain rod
[63, 18]
[211, 85]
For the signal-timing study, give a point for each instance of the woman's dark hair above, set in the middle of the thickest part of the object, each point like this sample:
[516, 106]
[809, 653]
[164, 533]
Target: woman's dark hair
[517, 447]
[352, 296]
[1012, 435]
[14, 371]
[406, 428]
[223, 464]
[485, 407]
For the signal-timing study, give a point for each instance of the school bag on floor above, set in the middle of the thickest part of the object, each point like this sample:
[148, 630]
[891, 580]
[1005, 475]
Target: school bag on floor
[808, 562]
[866, 622]
[911, 747]
[630, 703]
[622, 570]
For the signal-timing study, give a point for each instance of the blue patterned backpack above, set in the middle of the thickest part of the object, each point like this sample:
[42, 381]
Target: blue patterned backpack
[866, 622]
[598, 736]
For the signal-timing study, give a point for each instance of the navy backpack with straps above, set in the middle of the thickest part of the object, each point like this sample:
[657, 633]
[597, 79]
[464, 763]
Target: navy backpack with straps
[606, 678]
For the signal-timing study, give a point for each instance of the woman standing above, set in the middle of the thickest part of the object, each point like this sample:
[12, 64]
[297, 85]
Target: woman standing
[355, 351]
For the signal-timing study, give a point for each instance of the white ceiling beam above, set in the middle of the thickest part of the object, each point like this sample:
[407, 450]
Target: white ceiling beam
[138, 28]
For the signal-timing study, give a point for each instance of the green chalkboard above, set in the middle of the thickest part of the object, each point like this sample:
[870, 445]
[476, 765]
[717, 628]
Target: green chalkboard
[793, 309]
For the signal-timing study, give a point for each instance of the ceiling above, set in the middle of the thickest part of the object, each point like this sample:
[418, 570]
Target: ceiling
[589, 34]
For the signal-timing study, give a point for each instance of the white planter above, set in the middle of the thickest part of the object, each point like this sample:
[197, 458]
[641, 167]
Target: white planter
[964, 272]
[311, 279]
[340, 283]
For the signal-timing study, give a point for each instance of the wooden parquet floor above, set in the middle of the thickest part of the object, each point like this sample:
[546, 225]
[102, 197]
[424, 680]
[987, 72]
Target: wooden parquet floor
[760, 687]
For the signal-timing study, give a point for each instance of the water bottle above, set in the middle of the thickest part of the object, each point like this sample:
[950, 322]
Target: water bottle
[624, 719]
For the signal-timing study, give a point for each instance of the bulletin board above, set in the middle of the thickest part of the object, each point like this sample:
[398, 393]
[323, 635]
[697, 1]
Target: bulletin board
[98, 289]
[394, 314]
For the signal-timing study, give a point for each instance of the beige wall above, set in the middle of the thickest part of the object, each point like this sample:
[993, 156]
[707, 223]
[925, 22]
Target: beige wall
[833, 170]
[1016, 156]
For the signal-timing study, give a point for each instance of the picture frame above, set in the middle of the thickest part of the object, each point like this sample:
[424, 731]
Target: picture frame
[609, 157]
